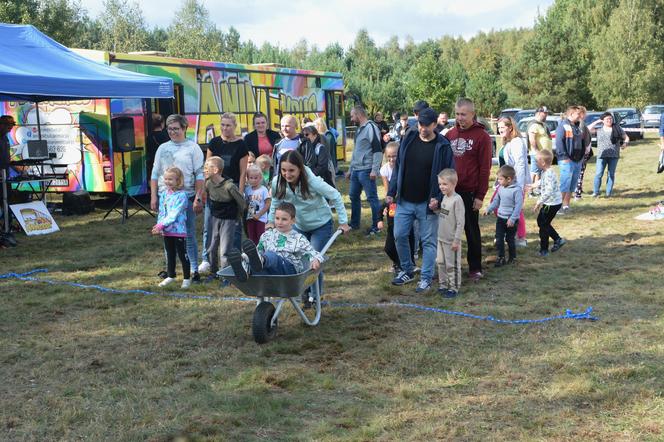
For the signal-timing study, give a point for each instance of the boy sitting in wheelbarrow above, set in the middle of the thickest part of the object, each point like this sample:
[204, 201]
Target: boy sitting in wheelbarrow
[281, 251]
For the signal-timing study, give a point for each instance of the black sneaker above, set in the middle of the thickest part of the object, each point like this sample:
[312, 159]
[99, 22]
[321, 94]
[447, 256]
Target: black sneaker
[255, 261]
[543, 253]
[212, 277]
[235, 260]
[306, 302]
[163, 274]
[196, 278]
[451, 294]
[511, 261]
[500, 261]
[372, 231]
[558, 244]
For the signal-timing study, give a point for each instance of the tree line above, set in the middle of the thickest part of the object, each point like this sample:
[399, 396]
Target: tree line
[599, 53]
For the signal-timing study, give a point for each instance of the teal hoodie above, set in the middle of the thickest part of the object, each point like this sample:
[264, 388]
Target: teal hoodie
[313, 212]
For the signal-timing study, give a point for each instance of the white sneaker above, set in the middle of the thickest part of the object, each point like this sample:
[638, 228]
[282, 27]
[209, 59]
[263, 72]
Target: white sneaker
[166, 281]
[522, 242]
[186, 283]
[204, 267]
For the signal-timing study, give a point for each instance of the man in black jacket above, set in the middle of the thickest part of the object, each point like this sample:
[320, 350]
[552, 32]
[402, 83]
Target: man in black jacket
[414, 187]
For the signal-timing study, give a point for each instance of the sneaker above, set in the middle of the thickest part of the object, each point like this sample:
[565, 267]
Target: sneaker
[396, 270]
[475, 276]
[237, 264]
[403, 278]
[500, 261]
[163, 274]
[211, 277]
[543, 253]
[186, 283]
[196, 278]
[373, 231]
[167, 280]
[423, 286]
[442, 290]
[204, 267]
[451, 293]
[306, 301]
[511, 261]
[558, 244]
[523, 242]
[255, 260]
[416, 269]
[595, 195]
[564, 210]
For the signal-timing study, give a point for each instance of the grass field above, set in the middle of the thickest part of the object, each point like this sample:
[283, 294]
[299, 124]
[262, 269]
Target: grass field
[81, 364]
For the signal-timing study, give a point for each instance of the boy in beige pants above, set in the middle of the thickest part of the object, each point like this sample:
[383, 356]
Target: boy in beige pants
[451, 219]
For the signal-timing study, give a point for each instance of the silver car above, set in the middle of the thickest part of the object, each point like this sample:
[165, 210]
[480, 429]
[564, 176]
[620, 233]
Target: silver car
[652, 114]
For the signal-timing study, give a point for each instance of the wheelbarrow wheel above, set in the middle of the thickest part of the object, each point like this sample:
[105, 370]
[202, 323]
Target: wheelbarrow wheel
[262, 327]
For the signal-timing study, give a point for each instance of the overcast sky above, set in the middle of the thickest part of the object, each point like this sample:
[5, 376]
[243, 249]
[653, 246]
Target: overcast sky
[321, 23]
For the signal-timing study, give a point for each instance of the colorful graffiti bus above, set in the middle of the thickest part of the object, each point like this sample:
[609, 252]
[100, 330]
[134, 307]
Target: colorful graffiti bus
[87, 138]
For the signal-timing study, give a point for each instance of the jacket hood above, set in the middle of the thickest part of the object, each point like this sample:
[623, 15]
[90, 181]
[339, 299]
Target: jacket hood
[412, 134]
[476, 124]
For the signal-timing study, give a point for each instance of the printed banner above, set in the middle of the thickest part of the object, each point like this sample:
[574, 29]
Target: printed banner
[34, 218]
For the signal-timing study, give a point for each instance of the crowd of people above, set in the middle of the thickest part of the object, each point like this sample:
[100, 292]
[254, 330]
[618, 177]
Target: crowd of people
[436, 180]
[253, 187]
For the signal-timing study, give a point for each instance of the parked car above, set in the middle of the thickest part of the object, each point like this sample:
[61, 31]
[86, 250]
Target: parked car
[525, 113]
[509, 112]
[591, 117]
[652, 114]
[629, 118]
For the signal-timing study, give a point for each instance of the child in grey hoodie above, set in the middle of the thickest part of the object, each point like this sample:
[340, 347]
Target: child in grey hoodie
[508, 201]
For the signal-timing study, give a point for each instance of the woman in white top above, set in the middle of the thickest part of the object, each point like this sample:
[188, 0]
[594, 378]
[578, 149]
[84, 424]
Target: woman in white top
[516, 155]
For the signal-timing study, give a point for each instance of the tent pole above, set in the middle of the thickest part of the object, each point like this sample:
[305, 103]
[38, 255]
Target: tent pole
[38, 123]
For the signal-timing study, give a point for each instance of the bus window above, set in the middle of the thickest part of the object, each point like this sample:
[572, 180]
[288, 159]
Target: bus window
[169, 106]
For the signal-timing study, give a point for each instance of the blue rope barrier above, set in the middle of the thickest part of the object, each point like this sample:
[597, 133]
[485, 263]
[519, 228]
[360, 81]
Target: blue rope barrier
[586, 315]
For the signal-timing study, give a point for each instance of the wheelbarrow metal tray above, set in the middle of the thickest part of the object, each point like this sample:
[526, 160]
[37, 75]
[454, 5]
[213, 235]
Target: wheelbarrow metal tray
[273, 286]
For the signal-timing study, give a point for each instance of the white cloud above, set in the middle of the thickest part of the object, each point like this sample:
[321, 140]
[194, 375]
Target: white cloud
[286, 23]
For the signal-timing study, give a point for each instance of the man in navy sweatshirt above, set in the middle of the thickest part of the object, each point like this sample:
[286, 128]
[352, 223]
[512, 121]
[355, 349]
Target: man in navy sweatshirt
[414, 186]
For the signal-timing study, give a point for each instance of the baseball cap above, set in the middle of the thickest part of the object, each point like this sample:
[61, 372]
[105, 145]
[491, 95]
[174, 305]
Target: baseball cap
[427, 116]
[420, 105]
[542, 109]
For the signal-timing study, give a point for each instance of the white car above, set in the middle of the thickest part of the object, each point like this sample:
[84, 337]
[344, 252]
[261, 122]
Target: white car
[651, 115]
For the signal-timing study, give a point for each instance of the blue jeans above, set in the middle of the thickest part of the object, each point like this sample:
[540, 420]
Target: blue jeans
[569, 175]
[318, 238]
[533, 165]
[408, 212]
[192, 247]
[206, 220]
[274, 264]
[359, 180]
[602, 163]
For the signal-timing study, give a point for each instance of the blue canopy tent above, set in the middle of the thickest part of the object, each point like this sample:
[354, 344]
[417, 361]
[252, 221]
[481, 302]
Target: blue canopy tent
[36, 68]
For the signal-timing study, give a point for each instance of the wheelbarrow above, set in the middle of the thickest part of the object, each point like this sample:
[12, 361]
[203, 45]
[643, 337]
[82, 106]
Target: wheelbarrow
[280, 289]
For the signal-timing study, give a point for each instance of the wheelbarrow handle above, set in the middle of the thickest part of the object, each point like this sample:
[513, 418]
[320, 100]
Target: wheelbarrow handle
[329, 243]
